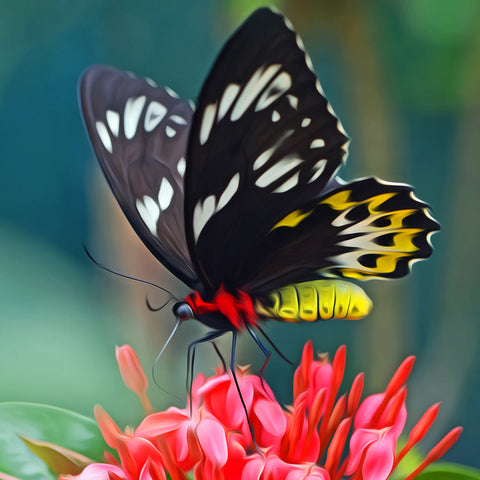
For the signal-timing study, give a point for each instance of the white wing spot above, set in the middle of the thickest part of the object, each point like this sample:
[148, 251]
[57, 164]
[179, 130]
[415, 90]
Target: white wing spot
[340, 128]
[207, 122]
[254, 86]
[265, 156]
[306, 122]
[192, 105]
[149, 211]
[277, 87]
[203, 211]
[202, 214]
[277, 170]
[289, 24]
[165, 194]
[181, 166]
[319, 87]
[104, 136]
[309, 62]
[154, 115]
[178, 119]
[171, 132]
[171, 92]
[318, 169]
[331, 110]
[113, 121]
[275, 116]
[229, 192]
[151, 82]
[300, 44]
[317, 143]
[228, 97]
[289, 184]
[133, 110]
[293, 100]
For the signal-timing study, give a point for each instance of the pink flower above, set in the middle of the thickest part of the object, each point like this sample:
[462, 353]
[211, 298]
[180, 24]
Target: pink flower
[322, 436]
[221, 399]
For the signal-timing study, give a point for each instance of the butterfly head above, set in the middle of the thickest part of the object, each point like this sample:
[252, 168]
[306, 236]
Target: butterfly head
[183, 311]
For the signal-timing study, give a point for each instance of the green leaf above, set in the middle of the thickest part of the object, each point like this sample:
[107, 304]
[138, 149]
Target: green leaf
[449, 471]
[45, 424]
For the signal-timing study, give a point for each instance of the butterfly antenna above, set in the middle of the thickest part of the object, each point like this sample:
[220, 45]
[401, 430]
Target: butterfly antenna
[107, 269]
[157, 309]
[157, 358]
[268, 339]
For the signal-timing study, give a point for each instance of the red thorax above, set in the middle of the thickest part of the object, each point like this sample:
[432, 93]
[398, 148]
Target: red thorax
[237, 308]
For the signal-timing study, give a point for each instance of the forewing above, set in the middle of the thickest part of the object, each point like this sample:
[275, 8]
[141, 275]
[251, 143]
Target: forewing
[264, 140]
[139, 133]
[362, 230]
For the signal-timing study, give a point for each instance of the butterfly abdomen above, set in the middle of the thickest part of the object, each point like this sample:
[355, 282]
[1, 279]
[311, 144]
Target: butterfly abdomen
[316, 300]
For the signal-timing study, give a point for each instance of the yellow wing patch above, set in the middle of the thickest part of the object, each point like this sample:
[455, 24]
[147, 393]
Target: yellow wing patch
[340, 201]
[377, 242]
[292, 219]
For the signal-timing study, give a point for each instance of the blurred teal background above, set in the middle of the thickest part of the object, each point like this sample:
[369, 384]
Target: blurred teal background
[404, 76]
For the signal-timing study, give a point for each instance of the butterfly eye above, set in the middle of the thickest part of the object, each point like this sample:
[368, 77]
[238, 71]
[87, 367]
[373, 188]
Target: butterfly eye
[183, 311]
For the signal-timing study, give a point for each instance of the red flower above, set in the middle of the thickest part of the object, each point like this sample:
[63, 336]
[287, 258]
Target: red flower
[320, 437]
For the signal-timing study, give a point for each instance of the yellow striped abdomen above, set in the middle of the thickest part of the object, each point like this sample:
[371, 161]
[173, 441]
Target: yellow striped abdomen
[316, 300]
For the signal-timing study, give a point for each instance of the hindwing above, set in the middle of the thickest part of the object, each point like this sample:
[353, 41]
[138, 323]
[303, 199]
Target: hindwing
[365, 229]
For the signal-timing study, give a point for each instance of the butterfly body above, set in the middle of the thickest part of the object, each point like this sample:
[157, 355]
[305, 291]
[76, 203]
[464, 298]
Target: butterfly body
[225, 311]
[240, 197]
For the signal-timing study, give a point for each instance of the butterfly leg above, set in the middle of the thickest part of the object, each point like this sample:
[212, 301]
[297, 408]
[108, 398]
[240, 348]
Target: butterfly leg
[220, 356]
[191, 360]
[263, 349]
[279, 353]
[234, 375]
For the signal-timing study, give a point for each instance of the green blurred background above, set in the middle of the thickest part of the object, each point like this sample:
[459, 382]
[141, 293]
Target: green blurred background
[404, 78]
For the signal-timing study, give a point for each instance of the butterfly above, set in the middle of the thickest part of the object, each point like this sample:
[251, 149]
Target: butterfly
[240, 197]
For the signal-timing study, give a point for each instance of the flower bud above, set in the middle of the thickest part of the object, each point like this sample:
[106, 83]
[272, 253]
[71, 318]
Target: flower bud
[132, 373]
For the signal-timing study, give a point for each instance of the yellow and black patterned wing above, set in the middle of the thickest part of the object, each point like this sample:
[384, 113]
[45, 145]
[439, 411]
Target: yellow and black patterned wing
[360, 230]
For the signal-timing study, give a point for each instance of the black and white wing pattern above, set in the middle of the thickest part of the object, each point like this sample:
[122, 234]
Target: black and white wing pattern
[264, 141]
[139, 133]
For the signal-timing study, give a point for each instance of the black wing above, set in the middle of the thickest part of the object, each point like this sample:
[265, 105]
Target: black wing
[361, 230]
[139, 133]
[264, 140]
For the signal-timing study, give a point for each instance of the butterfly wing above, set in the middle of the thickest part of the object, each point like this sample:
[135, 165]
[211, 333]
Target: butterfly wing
[361, 230]
[139, 133]
[263, 141]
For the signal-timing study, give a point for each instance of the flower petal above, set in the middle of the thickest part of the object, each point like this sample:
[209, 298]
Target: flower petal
[97, 471]
[271, 416]
[108, 427]
[160, 423]
[360, 440]
[213, 441]
[379, 459]
[152, 471]
[254, 468]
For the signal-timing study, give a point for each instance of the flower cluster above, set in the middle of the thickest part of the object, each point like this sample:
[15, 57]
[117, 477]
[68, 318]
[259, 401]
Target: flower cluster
[322, 436]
